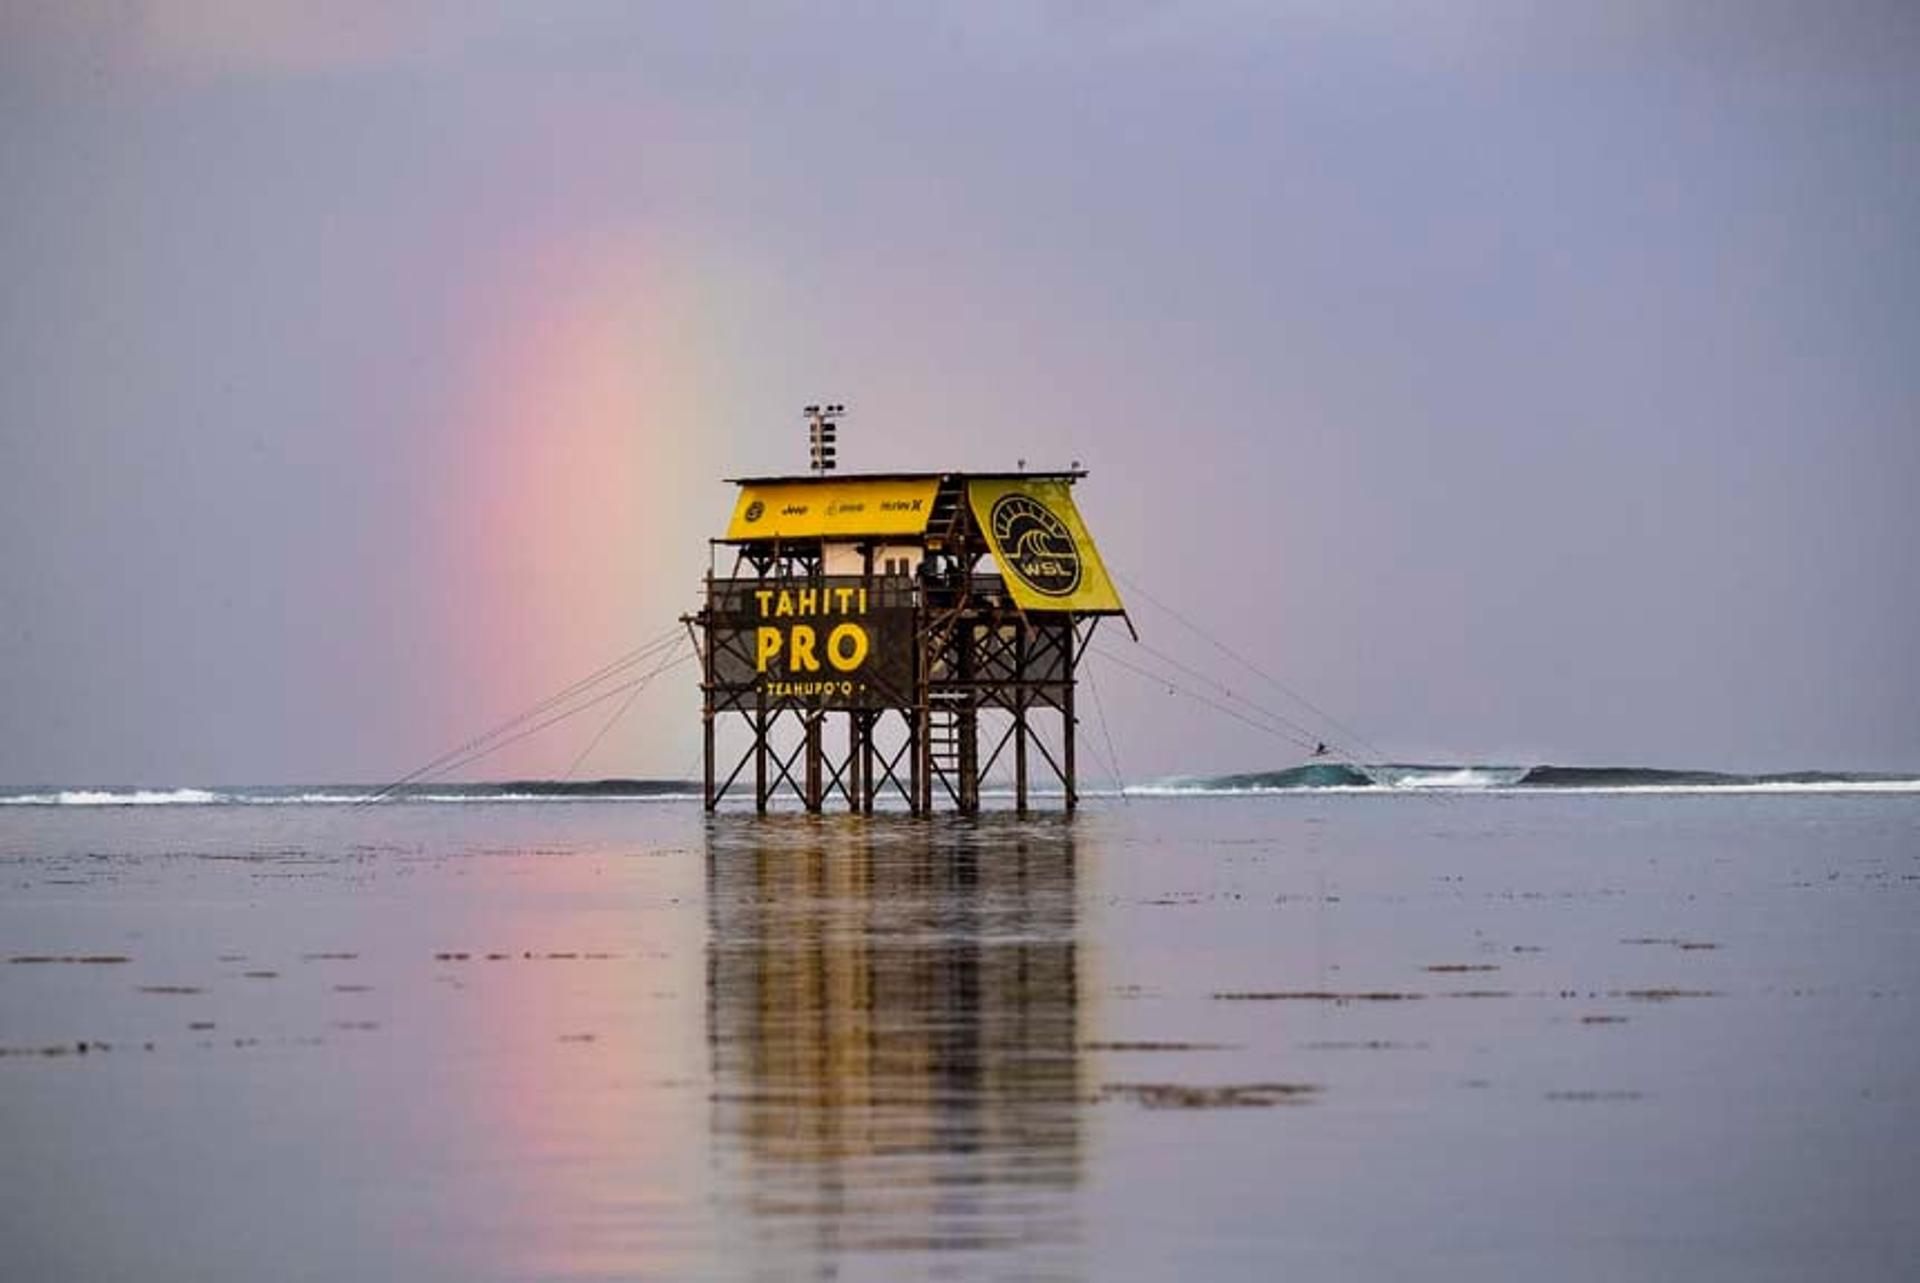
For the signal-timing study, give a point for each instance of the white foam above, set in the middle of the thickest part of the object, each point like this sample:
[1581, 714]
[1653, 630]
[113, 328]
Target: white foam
[109, 797]
[1499, 781]
[305, 799]
[1253, 790]
[1756, 788]
[407, 798]
[207, 797]
[1750, 787]
[1459, 777]
[532, 797]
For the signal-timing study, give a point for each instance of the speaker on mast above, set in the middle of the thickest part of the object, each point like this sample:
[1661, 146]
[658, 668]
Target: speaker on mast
[821, 428]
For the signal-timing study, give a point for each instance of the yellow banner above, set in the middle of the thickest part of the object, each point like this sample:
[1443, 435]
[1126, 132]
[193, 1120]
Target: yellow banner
[1044, 550]
[832, 509]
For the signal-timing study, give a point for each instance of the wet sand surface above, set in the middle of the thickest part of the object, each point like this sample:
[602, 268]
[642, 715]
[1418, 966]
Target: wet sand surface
[1330, 1037]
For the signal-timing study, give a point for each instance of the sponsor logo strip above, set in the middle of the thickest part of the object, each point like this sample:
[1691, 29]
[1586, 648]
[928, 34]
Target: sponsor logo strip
[832, 509]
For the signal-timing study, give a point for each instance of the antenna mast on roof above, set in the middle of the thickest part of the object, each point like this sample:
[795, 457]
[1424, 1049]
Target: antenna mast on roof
[820, 432]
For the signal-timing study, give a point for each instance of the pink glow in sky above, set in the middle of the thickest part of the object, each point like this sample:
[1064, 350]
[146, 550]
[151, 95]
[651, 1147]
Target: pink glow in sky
[1521, 383]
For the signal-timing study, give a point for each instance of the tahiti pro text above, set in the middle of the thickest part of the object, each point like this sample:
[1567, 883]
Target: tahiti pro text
[845, 645]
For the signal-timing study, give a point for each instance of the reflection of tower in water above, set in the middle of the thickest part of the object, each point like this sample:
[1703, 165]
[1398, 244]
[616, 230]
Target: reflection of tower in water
[893, 1019]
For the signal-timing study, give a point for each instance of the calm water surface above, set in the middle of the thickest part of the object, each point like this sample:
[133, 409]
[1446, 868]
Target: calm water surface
[1332, 1037]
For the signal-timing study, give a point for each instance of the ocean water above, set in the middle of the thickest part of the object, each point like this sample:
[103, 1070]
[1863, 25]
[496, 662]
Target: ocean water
[1325, 1031]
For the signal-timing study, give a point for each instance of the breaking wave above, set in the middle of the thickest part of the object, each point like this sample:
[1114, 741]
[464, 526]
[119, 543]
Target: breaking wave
[114, 797]
[1315, 777]
[1334, 777]
[353, 794]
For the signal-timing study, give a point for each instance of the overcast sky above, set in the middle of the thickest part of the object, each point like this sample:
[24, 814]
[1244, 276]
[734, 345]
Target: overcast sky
[1520, 382]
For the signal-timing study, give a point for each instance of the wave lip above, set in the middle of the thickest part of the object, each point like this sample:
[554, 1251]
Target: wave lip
[1446, 777]
[1312, 777]
[1320, 776]
[1393, 777]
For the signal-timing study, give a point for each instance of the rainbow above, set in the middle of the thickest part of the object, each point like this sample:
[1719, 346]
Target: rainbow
[574, 497]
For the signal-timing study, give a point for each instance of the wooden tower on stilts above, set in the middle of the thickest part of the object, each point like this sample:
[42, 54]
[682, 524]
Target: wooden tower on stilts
[894, 638]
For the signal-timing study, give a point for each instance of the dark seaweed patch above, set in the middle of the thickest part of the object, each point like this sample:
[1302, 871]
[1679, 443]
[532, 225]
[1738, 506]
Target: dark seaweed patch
[54, 1050]
[1181, 1096]
[1675, 941]
[1317, 995]
[1587, 1097]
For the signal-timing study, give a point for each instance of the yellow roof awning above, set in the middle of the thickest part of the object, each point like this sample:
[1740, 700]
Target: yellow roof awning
[849, 509]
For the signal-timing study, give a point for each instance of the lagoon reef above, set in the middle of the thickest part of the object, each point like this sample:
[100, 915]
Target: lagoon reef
[1360, 1033]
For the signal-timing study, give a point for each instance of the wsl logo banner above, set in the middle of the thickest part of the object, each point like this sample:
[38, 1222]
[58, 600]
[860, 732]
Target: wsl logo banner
[1043, 548]
[1039, 548]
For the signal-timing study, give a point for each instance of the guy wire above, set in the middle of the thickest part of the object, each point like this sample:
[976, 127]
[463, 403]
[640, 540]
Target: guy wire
[626, 661]
[563, 714]
[1351, 735]
[1214, 704]
[1113, 754]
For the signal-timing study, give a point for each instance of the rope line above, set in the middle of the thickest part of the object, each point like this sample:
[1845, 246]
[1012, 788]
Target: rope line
[1346, 731]
[601, 734]
[1092, 750]
[1113, 753]
[562, 715]
[1271, 715]
[1214, 704]
[438, 766]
